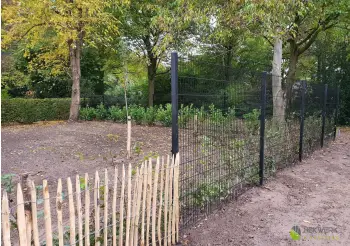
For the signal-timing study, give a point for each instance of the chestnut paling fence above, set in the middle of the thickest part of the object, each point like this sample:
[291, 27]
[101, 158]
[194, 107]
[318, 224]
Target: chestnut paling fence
[137, 206]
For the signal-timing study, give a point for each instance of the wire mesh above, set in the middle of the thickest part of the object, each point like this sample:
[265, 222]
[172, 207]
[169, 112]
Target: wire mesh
[219, 130]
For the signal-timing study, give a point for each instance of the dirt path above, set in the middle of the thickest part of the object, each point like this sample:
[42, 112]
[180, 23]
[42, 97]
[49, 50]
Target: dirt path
[313, 195]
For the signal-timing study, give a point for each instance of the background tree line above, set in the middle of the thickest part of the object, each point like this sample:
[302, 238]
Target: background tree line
[85, 48]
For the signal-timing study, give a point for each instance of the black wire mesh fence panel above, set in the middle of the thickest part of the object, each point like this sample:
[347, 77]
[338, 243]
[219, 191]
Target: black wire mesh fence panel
[218, 134]
[220, 130]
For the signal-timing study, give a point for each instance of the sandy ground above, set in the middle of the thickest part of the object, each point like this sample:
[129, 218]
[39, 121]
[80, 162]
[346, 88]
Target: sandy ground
[314, 195]
[52, 150]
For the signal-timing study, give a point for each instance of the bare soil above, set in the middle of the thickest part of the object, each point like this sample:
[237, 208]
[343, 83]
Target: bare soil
[314, 195]
[52, 150]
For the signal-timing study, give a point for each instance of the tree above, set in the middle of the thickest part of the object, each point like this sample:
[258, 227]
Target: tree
[151, 28]
[63, 27]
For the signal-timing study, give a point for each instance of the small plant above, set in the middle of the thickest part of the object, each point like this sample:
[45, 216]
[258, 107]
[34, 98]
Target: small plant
[138, 148]
[101, 112]
[207, 193]
[137, 114]
[150, 115]
[6, 182]
[164, 115]
[117, 114]
[87, 113]
[112, 137]
[252, 120]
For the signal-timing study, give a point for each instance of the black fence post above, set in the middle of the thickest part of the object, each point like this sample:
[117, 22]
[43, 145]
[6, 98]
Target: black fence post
[262, 128]
[324, 113]
[174, 103]
[336, 114]
[302, 112]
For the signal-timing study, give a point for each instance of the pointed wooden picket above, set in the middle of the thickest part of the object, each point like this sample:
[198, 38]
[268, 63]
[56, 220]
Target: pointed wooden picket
[6, 232]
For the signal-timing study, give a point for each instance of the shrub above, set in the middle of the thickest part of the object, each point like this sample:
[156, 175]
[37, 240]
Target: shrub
[117, 114]
[101, 112]
[150, 115]
[252, 120]
[87, 113]
[137, 113]
[164, 115]
[23, 110]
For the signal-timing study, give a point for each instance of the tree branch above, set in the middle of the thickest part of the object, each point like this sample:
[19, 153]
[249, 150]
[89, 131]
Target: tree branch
[23, 35]
[165, 72]
[268, 40]
[308, 36]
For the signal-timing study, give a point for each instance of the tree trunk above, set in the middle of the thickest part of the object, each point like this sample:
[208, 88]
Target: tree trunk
[74, 53]
[151, 70]
[277, 92]
[292, 68]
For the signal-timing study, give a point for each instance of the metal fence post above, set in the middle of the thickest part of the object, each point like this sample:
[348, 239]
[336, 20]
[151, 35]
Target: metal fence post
[324, 113]
[336, 114]
[174, 103]
[302, 112]
[262, 128]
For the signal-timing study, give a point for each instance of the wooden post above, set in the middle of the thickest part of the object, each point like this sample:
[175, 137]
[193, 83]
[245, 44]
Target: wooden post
[149, 200]
[133, 211]
[170, 200]
[97, 209]
[34, 215]
[128, 145]
[144, 196]
[161, 201]
[128, 213]
[138, 205]
[6, 220]
[87, 211]
[121, 214]
[154, 205]
[176, 196]
[166, 196]
[79, 212]
[47, 213]
[114, 207]
[71, 212]
[59, 213]
[105, 220]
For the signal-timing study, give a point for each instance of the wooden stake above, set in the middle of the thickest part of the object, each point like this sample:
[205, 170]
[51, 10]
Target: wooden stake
[34, 214]
[166, 197]
[161, 201]
[144, 198]
[138, 204]
[133, 211]
[6, 220]
[176, 195]
[154, 205]
[59, 213]
[149, 200]
[170, 200]
[97, 209]
[79, 211]
[71, 212]
[47, 213]
[128, 214]
[121, 215]
[114, 208]
[128, 145]
[105, 220]
[87, 211]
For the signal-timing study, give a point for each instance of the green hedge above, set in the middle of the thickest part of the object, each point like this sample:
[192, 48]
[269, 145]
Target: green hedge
[31, 110]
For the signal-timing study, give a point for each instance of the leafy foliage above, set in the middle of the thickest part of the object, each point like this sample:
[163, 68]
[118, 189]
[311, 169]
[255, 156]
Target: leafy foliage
[31, 110]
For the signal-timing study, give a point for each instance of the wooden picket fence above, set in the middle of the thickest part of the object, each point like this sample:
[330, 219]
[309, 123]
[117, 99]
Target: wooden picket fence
[144, 209]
